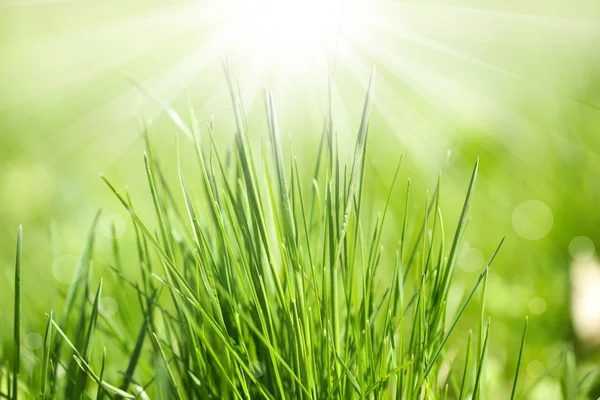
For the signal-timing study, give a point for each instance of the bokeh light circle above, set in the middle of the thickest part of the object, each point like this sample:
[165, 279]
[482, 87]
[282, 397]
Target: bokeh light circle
[63, 269]
[471, 260]
[108, 306]
[582, 248]
[537, 305]
[33, 340]
[106, 223]
[536, 369]
[532, 220]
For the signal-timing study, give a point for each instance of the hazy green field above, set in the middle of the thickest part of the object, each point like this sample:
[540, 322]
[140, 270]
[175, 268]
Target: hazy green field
[515, 85]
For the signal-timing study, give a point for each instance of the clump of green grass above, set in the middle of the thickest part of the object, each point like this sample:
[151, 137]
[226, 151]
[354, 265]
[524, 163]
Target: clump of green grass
[275, 289]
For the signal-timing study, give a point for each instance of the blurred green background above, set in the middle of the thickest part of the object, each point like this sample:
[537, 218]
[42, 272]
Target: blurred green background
[515, 83]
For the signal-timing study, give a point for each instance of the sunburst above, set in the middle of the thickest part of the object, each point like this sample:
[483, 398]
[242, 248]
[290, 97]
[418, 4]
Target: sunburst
[441, 65]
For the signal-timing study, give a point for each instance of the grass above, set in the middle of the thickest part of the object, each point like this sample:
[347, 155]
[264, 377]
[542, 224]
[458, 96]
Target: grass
[266, 285]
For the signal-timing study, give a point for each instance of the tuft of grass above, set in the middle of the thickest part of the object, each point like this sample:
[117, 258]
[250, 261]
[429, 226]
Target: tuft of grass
[258, 283]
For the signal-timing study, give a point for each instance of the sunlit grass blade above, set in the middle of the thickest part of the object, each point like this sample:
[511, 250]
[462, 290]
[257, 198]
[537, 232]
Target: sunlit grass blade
[519, 358]
[100, 393]
[86, 350]
[45, 367]
[137, 350]
[81, 267]
[463, 385]
[482, 276]
[358, 161]
[481, 363]
[86, 367]
[173, 380]
[569, 381]
[17, 317]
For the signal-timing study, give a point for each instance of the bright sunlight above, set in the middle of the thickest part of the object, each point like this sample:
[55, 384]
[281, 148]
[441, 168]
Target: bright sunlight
[289, 35]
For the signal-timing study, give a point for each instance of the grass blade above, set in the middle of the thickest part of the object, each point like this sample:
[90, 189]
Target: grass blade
[17, 316]
[514, 388]
[461, 311]
[46, 357]
[481, 363]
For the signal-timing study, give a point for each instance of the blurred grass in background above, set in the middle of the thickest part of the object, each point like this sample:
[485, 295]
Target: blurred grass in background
[514, 83]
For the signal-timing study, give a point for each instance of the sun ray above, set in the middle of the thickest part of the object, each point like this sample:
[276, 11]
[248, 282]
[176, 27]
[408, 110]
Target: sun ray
[146, 31]
[433, 74]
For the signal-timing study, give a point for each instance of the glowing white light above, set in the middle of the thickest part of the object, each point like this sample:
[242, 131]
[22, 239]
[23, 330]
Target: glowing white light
[288, 33]
[585, 297]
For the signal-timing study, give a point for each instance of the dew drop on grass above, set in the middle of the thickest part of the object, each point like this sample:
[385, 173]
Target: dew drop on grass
[63, 269]
[582, 248]
[33, 340]
[537, 305]
[532, 220]
[257, 368]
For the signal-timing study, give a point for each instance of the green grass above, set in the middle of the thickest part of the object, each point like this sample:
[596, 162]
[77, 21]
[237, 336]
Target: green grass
[263, 284]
